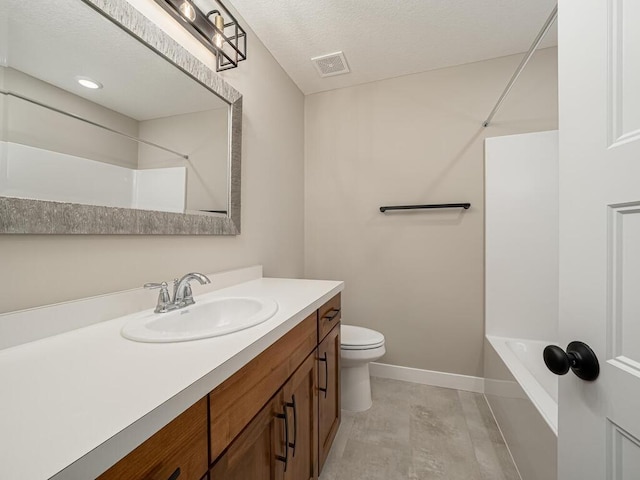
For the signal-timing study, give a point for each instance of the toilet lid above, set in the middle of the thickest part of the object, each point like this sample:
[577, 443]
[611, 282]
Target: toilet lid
[359, 338]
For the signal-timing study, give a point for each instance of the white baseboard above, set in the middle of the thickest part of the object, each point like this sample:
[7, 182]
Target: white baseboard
[428, 377]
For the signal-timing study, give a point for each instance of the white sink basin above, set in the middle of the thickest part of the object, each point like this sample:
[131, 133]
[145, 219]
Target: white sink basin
[209, 318]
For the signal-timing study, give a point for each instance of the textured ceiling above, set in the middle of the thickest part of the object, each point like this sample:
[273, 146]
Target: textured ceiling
[388, 38]
[57, 41]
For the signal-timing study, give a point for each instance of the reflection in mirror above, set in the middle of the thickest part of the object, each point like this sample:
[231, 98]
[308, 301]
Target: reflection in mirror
[91, 115]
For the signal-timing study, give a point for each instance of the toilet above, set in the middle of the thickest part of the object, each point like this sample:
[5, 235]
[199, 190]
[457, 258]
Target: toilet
[358, 347]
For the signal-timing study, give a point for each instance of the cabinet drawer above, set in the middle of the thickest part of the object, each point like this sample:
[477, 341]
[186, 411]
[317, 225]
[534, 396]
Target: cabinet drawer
[182, 444]
[238, 399]
[329, 315]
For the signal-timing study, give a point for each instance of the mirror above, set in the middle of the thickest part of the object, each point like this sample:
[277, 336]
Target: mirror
[107, 125]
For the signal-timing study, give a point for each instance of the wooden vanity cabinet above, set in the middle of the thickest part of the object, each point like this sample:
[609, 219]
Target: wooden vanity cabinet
[274, 419]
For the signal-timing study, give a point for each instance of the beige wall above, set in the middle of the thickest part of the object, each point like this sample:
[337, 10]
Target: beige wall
[32, 125]
[38, 270]
[2, 120]
[416, 277]
[204, 136]
[3, 111]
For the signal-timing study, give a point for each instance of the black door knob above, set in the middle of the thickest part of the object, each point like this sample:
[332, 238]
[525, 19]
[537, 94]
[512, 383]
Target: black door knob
[579, 358]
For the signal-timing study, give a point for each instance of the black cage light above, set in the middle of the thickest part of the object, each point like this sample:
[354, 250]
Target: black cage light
[217, 29]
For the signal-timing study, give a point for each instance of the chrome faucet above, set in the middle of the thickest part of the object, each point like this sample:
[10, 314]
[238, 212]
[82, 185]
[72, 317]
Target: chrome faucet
[182, 295]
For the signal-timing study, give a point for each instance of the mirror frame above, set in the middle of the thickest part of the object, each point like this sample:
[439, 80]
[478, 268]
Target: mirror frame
[24, 216]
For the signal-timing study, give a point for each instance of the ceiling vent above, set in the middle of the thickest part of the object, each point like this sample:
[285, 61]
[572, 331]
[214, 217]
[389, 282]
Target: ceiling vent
[330, 65]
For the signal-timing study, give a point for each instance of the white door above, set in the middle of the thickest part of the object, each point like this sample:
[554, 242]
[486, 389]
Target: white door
[599, 69]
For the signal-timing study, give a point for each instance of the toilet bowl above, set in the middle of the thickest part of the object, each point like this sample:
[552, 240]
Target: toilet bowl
[358, 347]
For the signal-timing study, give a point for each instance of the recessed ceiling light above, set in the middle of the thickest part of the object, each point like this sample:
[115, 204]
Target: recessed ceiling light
[89, 83]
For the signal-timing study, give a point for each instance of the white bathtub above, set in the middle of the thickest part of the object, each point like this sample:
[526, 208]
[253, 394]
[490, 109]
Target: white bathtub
[523, 395]
[524, 360]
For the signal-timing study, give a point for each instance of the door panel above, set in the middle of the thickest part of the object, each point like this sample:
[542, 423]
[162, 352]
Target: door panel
[625, 449]
[624, 70]
[599, 79]
[624, 268]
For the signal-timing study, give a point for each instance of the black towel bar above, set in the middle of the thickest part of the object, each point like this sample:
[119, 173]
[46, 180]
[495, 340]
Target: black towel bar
[416, 207]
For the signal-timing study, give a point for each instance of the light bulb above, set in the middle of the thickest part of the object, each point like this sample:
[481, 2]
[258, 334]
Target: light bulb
[217, 37]
[187, 11]
[89, 83]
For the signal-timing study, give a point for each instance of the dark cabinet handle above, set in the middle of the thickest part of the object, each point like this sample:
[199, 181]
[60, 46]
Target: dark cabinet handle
[285, 458]
[292, 404]
[175, 474]
[333, 315]
[326, 374]
[579, 358]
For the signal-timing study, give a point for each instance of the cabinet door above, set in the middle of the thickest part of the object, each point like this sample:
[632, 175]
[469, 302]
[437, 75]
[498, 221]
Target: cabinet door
[301, 406]
[259, 451]
[328, 392]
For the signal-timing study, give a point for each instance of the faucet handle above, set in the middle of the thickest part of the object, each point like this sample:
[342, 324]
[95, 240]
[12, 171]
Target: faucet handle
[176, 282]
[187, 298]
[164, 297]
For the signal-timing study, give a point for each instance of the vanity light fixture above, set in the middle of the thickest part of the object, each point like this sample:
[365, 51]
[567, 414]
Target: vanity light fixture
[217, 39]
[187, 10]
[217, 29]
[89, 83]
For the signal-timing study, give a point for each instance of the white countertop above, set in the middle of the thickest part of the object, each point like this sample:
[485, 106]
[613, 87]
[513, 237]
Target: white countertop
[75, 403]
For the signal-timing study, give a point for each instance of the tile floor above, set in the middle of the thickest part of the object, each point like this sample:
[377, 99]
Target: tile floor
[419, 432]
